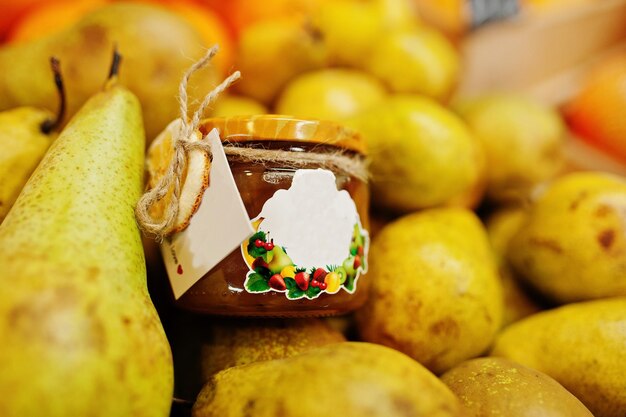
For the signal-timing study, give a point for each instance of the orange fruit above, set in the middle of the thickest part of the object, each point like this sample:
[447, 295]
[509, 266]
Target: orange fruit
[242, 13]
[596, 114]
[51, 17]
[13, 11]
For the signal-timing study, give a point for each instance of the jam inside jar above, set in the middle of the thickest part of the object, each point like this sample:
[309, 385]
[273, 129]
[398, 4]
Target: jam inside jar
[280, 272]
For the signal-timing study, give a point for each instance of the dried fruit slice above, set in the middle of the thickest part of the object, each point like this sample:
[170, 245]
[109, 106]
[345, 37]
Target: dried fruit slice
[194, 180]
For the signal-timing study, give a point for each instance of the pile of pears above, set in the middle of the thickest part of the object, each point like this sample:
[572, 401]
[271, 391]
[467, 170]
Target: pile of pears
[517, 308]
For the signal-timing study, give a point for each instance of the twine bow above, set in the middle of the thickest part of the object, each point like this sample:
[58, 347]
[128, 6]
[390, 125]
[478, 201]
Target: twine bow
[183, 145]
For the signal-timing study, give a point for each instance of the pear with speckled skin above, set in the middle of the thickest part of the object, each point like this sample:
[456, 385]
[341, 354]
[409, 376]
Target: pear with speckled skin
[496, 387]
[435, 294]
[572, 245]
[581, 345]
[347, 379]
[79, 334]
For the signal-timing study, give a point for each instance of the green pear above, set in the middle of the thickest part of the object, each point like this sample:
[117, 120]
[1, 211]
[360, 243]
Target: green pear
[25, 135]
[158, 48]
[347, 379]
[279, 260]
[79, 334]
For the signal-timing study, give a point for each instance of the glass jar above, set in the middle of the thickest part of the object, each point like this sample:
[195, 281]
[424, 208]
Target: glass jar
[308, 256]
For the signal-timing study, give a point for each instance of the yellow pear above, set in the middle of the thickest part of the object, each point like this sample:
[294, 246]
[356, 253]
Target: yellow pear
[494, 387]
[270, 53]
[348, 29]
[79, 334]
[25, 135]
[419, 60]
[23, 145]
[501, 226]
[346, 379]
[435, 292]
[240, 342]
[523, 142]
[203, 346]
[231, 105]
[572, 245]
[422, 155]
[330, 94]
[581, 346]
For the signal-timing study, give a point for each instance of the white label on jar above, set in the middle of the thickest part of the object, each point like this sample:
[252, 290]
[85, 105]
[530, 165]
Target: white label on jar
[215, 230]
[309, 240]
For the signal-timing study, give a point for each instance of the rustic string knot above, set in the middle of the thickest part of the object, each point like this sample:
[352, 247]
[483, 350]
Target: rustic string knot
[188, 139]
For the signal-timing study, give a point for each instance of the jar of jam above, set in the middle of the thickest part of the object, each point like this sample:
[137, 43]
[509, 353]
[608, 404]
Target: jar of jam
[304, 186]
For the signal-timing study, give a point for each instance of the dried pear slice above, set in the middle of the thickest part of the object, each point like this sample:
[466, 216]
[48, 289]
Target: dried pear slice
[194, 179]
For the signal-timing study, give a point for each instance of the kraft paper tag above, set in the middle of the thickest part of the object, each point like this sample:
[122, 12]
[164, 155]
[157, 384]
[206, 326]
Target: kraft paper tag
[215, 230]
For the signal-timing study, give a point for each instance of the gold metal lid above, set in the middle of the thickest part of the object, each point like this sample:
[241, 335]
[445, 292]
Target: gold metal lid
[275, 127]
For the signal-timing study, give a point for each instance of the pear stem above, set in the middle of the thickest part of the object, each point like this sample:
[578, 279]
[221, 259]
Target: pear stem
[115, 63]
[49, 125]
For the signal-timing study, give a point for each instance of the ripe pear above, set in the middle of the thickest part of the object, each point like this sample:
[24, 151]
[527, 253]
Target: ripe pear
[523, 141]
[501, 226]
[572, 245]
[398, 14]
[79, 333]
[435, 292]
[270, 53]
[494, 387]
[348, 29]
[231, 105]
[25, 135]
[580, 345]
[348, 379]
[330, 94]
[23, 143]
[203, 346]
[239, 342]
[158, 48]
[280, 259]
[422, 155]
[418, 60]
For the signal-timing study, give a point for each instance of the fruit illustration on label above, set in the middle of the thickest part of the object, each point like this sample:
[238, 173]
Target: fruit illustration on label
[303, 250]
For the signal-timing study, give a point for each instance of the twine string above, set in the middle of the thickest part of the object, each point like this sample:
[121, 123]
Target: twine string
[185, 143]
[339, 162]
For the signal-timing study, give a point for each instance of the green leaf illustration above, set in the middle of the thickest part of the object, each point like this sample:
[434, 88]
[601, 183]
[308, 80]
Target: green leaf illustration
[257, 283]
[312, 292]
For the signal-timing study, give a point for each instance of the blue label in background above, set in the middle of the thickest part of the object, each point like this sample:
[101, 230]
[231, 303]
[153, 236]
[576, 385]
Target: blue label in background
[485, 11]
